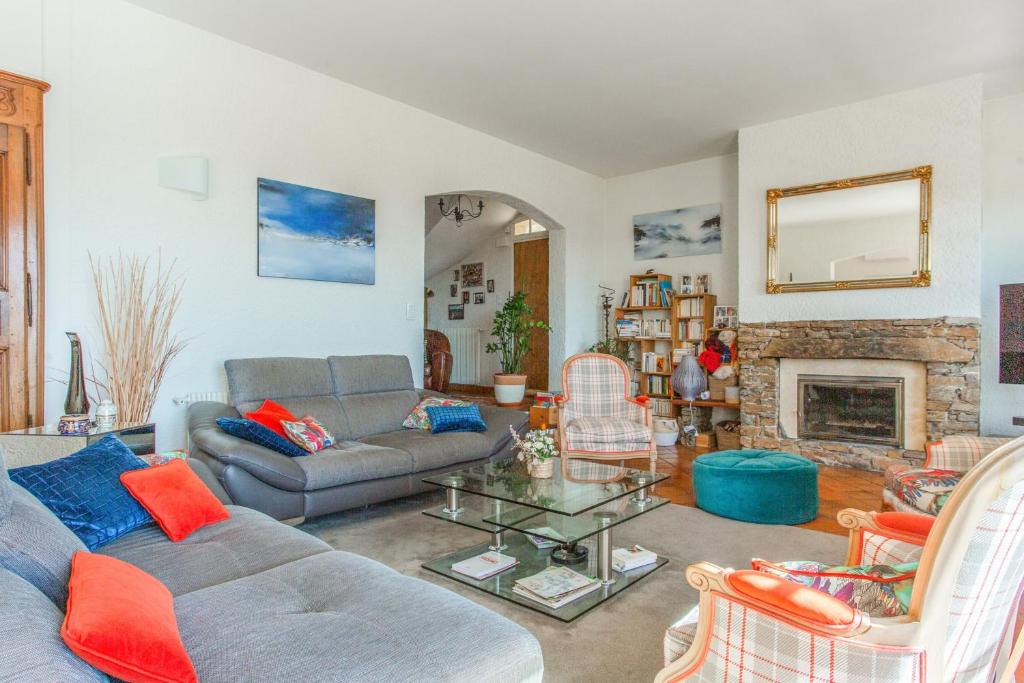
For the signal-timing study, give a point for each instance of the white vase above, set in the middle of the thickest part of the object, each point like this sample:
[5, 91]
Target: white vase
[509, 390]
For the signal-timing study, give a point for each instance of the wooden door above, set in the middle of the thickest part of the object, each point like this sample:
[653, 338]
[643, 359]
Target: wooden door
[530, 270]
[21, 336]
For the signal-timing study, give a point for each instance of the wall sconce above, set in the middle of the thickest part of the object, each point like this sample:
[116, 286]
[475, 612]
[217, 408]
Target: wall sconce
[187, 173]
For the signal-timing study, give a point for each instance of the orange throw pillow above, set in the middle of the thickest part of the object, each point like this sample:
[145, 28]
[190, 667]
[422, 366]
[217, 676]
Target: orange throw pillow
[176, 498]
[121, 620]
[791, 597]
[270, 415]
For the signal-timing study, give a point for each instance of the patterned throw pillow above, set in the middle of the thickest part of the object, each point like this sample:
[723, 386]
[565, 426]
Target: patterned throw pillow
[259, 435]
[85, 492]
[455, 419]
[418, 418]
[880, 590]
[308, 434]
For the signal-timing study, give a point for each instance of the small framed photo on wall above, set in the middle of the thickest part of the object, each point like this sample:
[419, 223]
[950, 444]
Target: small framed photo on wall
[479, 297]
[455, 275]
[456, 312]
[490, 286]
[454, 291]
[686, 284]
[465, 296]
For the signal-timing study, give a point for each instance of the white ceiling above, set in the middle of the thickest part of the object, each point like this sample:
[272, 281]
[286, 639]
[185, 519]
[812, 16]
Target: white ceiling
[616, 86]
[448, 245]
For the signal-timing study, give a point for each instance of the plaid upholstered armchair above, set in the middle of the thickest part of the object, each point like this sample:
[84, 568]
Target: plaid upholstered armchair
[959, 626]
[598, 418]
[926, 489]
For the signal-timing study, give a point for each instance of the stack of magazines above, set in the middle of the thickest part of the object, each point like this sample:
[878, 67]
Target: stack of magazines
[555, 586]
[485, 565]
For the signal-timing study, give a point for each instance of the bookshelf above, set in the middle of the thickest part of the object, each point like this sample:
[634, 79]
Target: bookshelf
[692, 317]
[644, 321]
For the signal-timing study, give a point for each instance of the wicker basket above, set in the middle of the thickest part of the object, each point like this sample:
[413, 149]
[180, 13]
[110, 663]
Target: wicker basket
[717, 387]
[728, 440]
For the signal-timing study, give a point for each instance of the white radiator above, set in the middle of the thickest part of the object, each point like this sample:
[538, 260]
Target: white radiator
[196, 397]
[466, 351]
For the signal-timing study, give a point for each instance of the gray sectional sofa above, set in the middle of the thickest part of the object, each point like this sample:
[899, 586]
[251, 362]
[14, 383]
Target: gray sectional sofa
[256, 601]
[362, 400]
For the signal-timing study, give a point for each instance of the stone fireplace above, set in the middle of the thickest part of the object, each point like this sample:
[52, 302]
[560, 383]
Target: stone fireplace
[860, 393]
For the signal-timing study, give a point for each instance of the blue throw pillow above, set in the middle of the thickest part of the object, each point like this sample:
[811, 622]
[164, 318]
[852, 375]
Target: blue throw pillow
[253, 431]
[84, 490]
[455, 419]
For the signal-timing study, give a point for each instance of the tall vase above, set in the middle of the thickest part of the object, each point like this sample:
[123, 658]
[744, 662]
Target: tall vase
[77, 401]
[688, 379]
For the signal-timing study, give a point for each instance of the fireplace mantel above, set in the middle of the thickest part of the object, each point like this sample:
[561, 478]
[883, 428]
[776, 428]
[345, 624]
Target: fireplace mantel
[948, 348]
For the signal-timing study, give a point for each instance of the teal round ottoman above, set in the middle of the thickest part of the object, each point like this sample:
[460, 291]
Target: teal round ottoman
[766, 487]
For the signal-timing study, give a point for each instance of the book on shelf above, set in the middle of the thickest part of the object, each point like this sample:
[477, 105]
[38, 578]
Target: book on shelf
[544, 540]
[657, 385]
[632, 557]
[650, 292]
[555, 586]
[691, 329]
[628, 325]
[660, 328]
[690, 308]
[653, 362]
[662, 407]
[485, 565]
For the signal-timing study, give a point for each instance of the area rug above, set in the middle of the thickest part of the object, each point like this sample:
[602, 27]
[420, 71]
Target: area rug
[620, 640]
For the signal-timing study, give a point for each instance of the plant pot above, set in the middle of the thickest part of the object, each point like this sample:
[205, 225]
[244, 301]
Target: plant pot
[544, 469]
[509, 390]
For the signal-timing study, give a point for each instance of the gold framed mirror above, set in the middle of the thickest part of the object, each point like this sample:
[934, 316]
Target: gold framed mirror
[857, 233]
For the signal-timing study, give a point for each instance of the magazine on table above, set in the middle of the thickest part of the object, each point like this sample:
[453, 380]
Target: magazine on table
[543, 537]
[632, 557]
[555, 586]
[484, 565]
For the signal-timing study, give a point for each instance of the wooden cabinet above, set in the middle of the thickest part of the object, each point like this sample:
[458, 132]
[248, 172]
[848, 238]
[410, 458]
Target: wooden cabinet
[21, 251]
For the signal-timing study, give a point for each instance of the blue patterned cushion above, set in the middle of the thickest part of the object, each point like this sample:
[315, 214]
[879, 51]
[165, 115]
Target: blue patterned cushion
[259, 435]
[84, 490]
[455, 419]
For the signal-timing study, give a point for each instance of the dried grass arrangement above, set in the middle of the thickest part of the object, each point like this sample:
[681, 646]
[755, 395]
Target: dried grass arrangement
[136, 308]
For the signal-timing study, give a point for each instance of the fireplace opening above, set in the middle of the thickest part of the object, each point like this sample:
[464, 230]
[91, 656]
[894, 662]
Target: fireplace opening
[856, 409]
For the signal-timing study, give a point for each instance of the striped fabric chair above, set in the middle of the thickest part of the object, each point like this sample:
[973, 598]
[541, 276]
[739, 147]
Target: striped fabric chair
[926, 489]
[748, 626]
[598, 418]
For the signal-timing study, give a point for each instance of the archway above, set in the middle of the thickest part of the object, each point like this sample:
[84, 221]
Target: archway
[556, 285]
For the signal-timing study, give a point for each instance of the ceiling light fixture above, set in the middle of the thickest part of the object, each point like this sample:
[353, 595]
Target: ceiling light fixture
[460, 214]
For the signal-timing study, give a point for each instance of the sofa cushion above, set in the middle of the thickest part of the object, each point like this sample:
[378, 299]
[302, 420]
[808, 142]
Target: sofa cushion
[271, 414]
[30, 632]
[352, 461]
[430, 451]
[370, 374]
[176, 498]
[254, 432]
[922, 489]
[246, 544]
[341, 617]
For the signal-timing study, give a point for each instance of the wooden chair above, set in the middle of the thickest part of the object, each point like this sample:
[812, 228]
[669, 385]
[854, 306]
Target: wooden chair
[598, 418]
[438, 354]
[959, 626]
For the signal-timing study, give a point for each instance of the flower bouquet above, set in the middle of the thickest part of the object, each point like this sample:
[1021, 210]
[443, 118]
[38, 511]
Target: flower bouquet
[536, 449]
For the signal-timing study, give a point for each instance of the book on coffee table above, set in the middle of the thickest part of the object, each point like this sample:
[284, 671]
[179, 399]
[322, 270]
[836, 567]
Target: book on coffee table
[555, 586]
[484, 565]
[632, 557]
[546, 539]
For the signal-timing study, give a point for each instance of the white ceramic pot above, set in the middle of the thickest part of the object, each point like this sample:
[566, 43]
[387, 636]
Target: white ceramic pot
[544, 469]
[509, 390]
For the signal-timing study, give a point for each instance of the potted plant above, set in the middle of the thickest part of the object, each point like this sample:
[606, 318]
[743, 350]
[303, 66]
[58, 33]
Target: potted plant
[537, 449]
[512, 328]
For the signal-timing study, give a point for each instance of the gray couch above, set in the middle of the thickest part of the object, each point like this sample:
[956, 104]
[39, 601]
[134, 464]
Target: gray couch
[256, 600]
[362, 400]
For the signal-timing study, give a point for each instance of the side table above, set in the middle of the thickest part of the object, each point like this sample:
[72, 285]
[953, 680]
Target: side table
[41, 444]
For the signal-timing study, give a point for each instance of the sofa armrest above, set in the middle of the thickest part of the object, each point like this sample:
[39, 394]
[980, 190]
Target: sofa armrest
[206, 476]
[269, 466]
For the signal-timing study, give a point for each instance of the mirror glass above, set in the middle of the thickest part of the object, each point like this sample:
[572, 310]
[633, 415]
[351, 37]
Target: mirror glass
[851, 233]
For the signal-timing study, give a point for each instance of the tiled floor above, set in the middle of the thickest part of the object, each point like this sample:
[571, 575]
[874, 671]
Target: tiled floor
[838, 487]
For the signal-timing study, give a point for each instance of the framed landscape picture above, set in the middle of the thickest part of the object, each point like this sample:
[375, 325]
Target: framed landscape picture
[692, 231]
[456, 312]
[473, 275]
[311, 234]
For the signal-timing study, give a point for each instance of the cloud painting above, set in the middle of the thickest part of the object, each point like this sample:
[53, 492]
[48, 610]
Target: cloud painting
[311, 234]
[692, 231]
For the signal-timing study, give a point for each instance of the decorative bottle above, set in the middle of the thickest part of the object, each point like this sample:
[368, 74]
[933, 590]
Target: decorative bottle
[77, 401]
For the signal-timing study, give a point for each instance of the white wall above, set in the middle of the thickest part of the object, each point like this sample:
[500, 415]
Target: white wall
[699, 182]
[498, 267]
[938, 125]
[130, 86]
[1002, 252]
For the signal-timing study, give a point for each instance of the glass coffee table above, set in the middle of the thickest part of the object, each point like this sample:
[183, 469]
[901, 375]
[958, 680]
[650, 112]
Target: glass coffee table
[578, 511]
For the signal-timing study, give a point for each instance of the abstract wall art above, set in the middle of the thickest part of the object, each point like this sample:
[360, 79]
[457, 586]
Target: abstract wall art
[693, 231]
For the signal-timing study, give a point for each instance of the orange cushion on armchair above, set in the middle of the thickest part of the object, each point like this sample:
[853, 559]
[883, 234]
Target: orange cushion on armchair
[906, 522]
[800, 601]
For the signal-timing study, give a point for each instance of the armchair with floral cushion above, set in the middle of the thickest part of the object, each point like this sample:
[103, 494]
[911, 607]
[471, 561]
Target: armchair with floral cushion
[598, 417]
[926, 489]
[958, 623]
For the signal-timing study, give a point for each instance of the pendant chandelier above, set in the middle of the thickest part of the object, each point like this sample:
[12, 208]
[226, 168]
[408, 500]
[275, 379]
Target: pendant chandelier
[457, 212]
